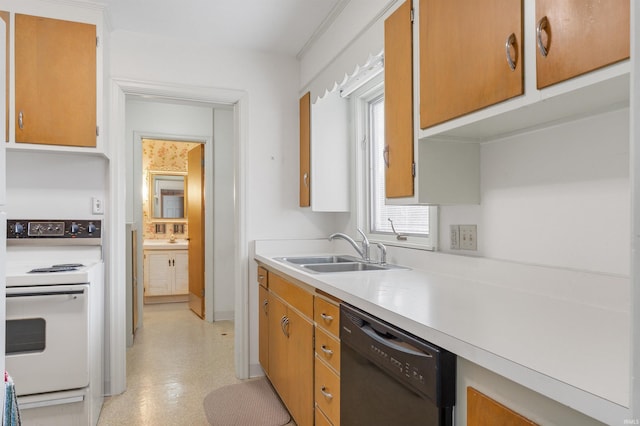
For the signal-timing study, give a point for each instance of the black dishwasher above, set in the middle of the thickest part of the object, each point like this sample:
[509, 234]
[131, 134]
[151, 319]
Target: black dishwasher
[390, 377]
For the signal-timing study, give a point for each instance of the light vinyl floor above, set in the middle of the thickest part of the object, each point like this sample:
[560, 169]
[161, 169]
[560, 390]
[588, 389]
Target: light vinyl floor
[176, 360]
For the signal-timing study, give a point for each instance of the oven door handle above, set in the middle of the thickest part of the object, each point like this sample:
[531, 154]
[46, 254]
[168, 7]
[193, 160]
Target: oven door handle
[45, 293]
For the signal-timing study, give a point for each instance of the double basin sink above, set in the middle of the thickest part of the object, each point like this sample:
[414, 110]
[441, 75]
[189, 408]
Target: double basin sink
[335, 263]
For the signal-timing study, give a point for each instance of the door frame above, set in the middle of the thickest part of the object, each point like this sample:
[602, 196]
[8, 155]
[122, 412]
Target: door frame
[115, 240]
[138, 179]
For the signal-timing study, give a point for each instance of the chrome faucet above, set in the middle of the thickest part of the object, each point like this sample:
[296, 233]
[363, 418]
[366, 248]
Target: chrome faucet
[362, 251]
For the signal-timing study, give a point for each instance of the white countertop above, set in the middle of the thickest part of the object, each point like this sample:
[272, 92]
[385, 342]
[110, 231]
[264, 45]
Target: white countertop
[560, 332]
[165, 245]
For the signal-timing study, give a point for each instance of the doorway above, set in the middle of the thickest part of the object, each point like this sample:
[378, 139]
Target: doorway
[172, 223]
[122, 177]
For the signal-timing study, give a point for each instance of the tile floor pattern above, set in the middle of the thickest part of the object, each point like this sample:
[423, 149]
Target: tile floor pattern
[176, 360]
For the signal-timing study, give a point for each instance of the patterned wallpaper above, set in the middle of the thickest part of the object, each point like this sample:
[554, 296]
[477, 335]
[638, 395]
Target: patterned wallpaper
[166, 156]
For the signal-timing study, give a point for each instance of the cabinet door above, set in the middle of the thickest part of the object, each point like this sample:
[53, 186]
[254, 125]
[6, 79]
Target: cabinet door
[465, 47]
[398, 103]
[278, 347]
[160, 274]
[300, 374]
[305, 150]
[180, 264]
[579, 36]
[263, 328]
[55, 65]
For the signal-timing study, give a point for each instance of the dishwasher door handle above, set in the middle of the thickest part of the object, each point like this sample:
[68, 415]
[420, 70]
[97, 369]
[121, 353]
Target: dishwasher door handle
[369, 331]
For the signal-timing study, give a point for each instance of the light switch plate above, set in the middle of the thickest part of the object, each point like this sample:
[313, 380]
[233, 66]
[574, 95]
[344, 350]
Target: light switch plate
[468, 237]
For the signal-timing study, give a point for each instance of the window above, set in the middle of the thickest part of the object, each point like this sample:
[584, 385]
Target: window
[417, 223]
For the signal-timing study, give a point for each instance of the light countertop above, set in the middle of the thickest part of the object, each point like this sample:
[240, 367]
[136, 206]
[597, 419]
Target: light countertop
[560, 332]
[165, 245]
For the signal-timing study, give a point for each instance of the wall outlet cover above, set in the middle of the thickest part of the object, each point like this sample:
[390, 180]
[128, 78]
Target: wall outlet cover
[455, 237]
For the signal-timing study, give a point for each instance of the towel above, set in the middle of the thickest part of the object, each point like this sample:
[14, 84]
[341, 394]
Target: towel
[11, 410]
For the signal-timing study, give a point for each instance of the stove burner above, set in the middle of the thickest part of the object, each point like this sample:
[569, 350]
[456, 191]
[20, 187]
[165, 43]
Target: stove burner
[57, 268]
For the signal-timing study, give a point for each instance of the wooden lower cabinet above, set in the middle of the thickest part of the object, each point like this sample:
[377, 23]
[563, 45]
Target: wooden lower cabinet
[299, 348]
[290, 348]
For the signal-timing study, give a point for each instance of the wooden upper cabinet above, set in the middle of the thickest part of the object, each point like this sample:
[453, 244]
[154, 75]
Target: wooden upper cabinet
[470, 56]
[55, 65]
[305, 150]
[579, 36]
[398, 114]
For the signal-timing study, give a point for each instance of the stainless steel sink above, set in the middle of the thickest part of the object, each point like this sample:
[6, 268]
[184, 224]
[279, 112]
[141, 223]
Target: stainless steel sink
[334, 263]
[345, 267]
[310, 260]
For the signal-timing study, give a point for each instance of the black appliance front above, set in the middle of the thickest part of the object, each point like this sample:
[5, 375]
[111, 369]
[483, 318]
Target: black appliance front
[389, 377]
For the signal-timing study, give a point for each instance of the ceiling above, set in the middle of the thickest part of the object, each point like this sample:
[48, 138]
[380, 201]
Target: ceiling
[280, 26]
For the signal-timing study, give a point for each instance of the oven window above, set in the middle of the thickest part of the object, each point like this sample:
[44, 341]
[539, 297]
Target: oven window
[25, 335]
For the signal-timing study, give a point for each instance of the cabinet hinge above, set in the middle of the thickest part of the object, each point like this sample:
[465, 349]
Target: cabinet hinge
[97, 130]
[202, 293]
[412, 15]
[413, 169]
[97, 41]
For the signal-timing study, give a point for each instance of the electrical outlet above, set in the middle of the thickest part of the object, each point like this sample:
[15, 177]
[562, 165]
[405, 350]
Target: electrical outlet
[468, 237]
[96, 206]
[455, 237]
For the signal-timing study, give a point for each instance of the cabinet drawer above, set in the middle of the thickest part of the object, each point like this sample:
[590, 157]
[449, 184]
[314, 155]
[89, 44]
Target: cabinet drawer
[327, 316]
[295, 296]
[263, 277]
[327, 392]
[328, 349]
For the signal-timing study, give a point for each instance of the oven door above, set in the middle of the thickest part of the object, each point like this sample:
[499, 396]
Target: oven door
[47, 337]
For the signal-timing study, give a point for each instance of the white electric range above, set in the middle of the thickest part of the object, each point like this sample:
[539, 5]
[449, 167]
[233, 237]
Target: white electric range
[55, 319]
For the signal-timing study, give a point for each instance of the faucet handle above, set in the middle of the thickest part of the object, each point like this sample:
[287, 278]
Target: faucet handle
[365, 240]
[383, 253]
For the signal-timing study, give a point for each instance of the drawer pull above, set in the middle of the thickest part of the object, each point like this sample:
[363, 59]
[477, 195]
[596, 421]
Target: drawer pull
[284, 325]
[326, 318]
[21, 120]
[327, 351]
[325, 393]
[543, 25]
[260, 277]
[511, 41]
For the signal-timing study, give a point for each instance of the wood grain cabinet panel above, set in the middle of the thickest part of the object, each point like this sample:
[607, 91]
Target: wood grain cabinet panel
[327, 392]
[484, 411]
[305, 150]
[398, 103]
[263, 328]
[55, 66]
[464, 58]
[579, 36]
[290, 347]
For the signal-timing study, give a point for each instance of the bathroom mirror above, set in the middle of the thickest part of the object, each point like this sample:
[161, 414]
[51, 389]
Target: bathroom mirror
[166, 195]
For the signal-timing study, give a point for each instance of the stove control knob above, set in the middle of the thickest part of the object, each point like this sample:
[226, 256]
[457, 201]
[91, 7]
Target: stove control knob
[91, 228]
[74, 228]
[18, 228]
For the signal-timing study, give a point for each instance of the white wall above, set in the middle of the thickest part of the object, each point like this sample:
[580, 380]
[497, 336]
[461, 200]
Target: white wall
[47, 185]
[557, 196]
[223, 274]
